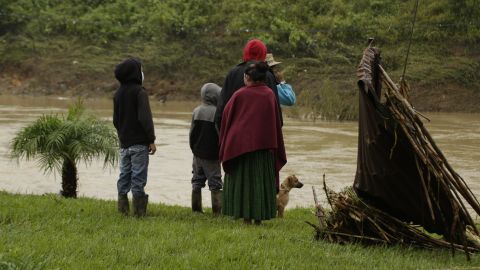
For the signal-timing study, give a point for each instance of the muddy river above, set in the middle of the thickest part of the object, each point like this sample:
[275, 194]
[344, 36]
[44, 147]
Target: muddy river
[312, 150]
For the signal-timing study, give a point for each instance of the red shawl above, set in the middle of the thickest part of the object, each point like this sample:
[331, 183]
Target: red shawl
[251, 122]
[254, 50]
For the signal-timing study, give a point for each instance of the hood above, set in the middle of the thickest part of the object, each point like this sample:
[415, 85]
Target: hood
[254, 50]
[210, 93]
[130, 70]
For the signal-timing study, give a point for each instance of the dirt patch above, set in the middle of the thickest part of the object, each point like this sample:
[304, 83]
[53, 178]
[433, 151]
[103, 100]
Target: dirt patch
[447, 98]
[38, 81]
[67, 81]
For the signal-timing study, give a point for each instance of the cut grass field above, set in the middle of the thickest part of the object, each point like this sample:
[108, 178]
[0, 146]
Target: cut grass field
[49, 232]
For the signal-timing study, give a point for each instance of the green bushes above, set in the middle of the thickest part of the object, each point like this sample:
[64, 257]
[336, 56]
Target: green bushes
[200, 40]
[299, 28]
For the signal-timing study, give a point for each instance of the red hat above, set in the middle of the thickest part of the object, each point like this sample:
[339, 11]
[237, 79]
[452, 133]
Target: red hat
[254, 50]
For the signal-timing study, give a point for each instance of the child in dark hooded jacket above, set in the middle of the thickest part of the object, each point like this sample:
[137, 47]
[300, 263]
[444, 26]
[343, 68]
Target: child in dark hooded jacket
[132, 118]
[204, 145]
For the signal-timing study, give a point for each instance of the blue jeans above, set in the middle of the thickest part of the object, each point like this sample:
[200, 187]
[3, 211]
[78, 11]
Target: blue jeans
[133, 170]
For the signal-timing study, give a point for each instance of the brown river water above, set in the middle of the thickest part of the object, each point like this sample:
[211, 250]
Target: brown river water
[313, 149]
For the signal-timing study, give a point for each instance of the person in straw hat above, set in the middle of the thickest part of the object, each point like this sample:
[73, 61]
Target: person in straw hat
[286, 95]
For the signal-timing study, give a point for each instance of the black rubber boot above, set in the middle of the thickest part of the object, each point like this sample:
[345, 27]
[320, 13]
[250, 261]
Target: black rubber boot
[140, 206]
[216, 202]
[197, 201]
[123, 206]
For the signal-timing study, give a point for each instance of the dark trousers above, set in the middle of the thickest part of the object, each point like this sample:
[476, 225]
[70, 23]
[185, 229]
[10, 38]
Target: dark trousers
[206, 170]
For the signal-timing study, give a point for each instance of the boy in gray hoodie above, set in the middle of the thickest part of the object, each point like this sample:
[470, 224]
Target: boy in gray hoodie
[204, 146]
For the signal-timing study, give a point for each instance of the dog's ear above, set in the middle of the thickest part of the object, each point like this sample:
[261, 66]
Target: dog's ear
[292, 179]
[282, 186]
[289, 181]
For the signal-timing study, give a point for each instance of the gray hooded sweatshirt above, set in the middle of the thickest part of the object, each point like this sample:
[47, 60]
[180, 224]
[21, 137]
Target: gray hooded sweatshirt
[203, 134]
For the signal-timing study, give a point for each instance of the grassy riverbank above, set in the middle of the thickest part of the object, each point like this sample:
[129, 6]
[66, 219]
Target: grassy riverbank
[53, 233]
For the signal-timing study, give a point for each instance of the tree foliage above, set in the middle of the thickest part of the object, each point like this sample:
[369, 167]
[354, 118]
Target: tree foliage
[189, 42]
[298, 27]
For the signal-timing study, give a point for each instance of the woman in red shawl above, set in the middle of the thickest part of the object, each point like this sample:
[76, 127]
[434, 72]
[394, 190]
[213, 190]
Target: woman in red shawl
[251, 149]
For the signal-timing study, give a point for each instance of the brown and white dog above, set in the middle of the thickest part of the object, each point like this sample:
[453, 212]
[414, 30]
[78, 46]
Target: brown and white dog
[282, 196]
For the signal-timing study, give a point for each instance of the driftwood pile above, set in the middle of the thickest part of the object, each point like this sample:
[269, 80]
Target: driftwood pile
[352, 219]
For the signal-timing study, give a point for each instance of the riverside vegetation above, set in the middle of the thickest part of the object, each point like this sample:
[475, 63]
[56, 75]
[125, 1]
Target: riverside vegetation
[50, 232]
[71, 47]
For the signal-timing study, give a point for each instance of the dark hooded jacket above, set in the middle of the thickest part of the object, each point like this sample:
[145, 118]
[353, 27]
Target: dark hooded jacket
[203, 134]
[255, 50]
[132, 116]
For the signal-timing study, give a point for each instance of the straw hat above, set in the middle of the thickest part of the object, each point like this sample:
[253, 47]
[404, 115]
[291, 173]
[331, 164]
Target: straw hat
[270, 61]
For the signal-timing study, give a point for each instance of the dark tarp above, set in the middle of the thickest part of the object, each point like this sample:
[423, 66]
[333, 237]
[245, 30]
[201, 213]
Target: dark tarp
[387, 175]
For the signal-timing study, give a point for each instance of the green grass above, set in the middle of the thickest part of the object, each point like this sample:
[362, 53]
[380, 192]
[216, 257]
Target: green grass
[48, 232]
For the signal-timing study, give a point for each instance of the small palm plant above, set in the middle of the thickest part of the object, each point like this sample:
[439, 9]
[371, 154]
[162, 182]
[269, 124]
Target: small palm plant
[59, 143]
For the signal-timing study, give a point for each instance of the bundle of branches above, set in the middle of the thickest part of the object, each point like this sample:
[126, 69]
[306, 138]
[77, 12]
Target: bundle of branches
[351, 219]
[432, 164]
[402, 175]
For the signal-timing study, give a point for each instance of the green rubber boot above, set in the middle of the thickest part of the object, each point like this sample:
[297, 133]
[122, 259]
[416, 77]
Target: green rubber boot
[122, 205]
[197, 201]
[216, 202]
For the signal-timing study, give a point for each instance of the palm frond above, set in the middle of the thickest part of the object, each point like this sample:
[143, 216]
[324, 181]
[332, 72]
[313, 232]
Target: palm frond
[49, 162]
[76, 110]
[78, 136]
[56, 139]
[33, 139]
[98, 139]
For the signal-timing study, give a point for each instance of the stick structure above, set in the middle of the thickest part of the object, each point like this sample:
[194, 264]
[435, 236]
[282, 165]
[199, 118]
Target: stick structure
[353, 219]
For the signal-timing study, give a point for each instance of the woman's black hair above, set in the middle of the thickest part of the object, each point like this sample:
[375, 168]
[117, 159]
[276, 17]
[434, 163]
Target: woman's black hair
[257, 71]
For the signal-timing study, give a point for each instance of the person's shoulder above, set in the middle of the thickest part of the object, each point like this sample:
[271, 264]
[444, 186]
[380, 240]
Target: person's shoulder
[120, 92]
[271, 79]
[237, 68]
[204, 108]
[240, 65]
[263, 88]
[242, 91]
[251, 91]
[197, 108]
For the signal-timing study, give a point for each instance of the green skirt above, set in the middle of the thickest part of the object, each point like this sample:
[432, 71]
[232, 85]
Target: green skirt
[249, 192]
